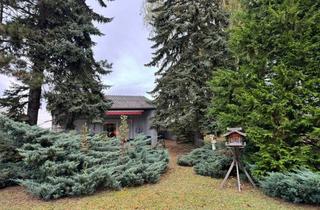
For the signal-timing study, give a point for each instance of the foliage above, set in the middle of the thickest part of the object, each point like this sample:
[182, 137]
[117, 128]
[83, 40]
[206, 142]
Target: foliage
[180, 189]
[49, 42]
[7, 154]
[207, 162]
[61, 168]
[190, 42]
[73, 97]
[195, 156]
[14, 100]
[11, 164]
[148, 10]
[299, 186]
[274, 91]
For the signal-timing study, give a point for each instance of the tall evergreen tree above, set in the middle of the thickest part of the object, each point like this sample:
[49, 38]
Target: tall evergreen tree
[190, 43]
[56, 43]
[74, 97]
[15, 100]
[275, 91]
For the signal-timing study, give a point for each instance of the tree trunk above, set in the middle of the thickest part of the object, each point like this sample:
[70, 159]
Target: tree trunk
[70, 122]
[197, 138]
[34, 104]
[1, 12]
[37, 74]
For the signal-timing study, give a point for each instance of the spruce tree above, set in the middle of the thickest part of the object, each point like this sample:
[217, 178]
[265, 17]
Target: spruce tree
[274, 93]
[15, 100]
[55, 42]
[75, 97]
[190, 43]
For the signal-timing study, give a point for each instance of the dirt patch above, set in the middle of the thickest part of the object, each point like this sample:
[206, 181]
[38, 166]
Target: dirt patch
[176, 150]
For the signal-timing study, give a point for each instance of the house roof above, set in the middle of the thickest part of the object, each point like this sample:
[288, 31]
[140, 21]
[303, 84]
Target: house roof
[130, 102]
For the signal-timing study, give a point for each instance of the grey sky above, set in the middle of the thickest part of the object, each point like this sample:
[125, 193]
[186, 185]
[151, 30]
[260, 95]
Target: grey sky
[125, 44]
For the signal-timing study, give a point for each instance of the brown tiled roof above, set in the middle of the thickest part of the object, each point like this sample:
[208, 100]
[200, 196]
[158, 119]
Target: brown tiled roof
[130, 102]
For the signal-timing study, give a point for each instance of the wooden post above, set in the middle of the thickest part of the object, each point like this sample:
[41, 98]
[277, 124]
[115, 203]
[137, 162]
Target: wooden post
[248, 176]
[238, 176]
[228, 174]
[236, 162]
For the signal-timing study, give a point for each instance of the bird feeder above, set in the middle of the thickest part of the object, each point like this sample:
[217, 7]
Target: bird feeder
[235, 141]
[235, 137]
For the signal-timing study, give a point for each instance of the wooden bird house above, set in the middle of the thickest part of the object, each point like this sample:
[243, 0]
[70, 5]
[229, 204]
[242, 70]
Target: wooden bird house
[235, 142]
[235, 137]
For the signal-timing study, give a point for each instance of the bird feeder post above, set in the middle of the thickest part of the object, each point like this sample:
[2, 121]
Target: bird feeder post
[235, 141]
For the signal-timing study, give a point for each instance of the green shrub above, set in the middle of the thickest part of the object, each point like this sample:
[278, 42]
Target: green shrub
[299, 186]
[207, 162]
[11, 171]
[11, 165]
[61, 169]
[196, 156]
[216, 166]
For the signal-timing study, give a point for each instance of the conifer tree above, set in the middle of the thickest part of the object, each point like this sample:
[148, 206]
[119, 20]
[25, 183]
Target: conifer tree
[15, 100]
[274, 93]
[54, 42]
[74, 97]
[190, 43]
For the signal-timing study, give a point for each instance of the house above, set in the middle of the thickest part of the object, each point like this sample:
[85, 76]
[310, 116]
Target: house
[139, 110]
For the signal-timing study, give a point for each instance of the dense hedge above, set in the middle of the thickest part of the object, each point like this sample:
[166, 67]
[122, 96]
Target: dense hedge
[207, 162]
[60, 167]
[299, 186]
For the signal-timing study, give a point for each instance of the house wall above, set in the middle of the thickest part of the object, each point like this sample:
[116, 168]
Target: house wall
[151, 131]
[138, 125]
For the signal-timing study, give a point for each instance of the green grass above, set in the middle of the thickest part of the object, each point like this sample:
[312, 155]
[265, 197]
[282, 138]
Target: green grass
[179, 188]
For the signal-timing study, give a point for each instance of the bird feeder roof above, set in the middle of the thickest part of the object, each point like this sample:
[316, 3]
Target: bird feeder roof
[234, 130]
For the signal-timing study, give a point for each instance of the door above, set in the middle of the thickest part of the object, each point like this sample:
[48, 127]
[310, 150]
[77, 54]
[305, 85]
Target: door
[110, 129]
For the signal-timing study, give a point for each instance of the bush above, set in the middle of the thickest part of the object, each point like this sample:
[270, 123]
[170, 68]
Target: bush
[299, 186]
[216, 166]
[196, 156]
[207, 162]
[11, 165]
[61, 169]
[9, 172]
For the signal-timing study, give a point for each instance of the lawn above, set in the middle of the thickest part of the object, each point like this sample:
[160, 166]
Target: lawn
[179, 188]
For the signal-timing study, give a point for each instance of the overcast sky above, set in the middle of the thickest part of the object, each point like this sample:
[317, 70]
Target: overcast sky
[125, 45]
